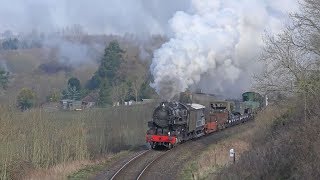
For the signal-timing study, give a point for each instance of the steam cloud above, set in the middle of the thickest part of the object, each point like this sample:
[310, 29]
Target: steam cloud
[215, 46]
[139, 18]
[213, 43]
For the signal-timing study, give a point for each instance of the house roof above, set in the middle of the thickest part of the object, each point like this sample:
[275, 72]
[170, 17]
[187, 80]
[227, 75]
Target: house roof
[91, 97]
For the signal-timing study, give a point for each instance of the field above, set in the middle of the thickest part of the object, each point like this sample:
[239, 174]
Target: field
[37, 139]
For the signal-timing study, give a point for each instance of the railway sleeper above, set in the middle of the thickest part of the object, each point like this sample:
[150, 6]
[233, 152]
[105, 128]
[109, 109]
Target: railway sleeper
[161, 145]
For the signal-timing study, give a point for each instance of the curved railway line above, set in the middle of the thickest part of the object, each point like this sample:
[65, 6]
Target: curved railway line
[138, 165]
[161, 164]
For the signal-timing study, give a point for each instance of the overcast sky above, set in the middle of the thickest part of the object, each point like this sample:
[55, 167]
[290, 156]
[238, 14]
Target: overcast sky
[96, 16]
[102, 16]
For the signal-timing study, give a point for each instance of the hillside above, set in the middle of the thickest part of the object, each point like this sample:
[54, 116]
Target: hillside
[47, 69]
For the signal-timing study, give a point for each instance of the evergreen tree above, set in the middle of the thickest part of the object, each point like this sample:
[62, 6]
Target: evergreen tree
[109, 66]
[74, 82]
[106, 76]
[105, 93]
[94, 82]
[71, 93]
[111, 61]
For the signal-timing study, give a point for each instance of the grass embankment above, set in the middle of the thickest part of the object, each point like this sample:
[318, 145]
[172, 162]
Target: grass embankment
[288, 148]
[39, 140]
[210, 162]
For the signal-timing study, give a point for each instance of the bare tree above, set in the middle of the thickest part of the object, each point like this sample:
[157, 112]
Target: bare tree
[120, 92]
[136, 82]
[292, 58]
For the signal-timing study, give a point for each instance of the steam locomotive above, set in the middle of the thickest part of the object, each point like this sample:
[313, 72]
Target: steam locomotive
[176, 122]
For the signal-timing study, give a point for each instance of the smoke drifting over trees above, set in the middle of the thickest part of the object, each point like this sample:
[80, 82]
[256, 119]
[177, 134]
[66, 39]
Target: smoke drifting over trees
[213, 45]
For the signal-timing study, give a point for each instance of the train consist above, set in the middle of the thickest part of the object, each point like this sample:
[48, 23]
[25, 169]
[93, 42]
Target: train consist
[176, 122]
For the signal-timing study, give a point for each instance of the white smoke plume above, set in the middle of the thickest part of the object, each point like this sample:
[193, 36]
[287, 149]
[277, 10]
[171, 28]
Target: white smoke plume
[215, 47]
[139, 18]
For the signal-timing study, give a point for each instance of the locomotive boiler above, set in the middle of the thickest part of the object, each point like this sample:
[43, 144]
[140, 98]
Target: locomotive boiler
[169, 115]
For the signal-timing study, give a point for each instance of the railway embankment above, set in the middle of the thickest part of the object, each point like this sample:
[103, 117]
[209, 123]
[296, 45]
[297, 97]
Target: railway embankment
[280, 145]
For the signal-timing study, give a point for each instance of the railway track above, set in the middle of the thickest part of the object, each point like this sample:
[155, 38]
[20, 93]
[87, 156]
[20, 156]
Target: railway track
[156, 164]
[138, 165]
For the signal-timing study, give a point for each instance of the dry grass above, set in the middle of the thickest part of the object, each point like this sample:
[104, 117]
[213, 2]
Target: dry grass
[60, 171]
[75, 169]
[41, 140]
[216, 157]
[285, 148]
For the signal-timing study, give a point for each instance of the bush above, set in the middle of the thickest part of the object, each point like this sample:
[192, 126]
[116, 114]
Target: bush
[26, 99]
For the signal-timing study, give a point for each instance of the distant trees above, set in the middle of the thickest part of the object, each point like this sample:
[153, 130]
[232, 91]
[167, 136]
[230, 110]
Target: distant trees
[26, 99]
[4, 78]
[11, 43]
[54, 96]
[120, 77]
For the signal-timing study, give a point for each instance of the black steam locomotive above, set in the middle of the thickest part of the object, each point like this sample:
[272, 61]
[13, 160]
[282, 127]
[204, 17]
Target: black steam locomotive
[174, 122]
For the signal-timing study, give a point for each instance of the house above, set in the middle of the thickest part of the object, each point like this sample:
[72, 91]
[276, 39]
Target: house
[68, 104]
[90, 100]
[146, 101]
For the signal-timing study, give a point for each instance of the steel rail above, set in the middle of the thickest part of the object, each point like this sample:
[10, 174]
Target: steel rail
[115, 175]
[149, 164]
